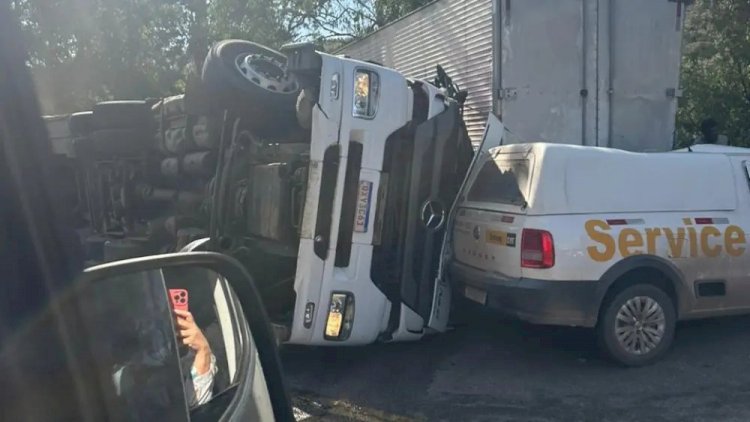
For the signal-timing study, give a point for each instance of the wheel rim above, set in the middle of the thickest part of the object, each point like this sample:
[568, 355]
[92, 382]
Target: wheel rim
[640, 325]
[265, 72]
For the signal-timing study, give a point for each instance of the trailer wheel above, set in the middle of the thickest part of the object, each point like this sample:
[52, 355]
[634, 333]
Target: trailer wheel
[636, 327]
[249, 77]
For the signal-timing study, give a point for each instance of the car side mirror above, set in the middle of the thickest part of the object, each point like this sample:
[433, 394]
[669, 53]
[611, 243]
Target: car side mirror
[180, 337]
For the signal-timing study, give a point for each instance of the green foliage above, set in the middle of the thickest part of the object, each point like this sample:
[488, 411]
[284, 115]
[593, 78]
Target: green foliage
[83, 51]
[716, 70]
[267, 22]
[344, 20]
[86, 50]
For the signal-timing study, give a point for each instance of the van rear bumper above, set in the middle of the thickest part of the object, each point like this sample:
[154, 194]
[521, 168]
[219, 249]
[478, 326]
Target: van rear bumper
[570, 303]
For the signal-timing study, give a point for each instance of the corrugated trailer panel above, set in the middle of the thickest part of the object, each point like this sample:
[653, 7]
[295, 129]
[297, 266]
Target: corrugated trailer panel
[591, 72]
[457, 34]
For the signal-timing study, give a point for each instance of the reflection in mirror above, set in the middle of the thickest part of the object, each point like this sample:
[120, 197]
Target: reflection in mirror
[171, 341]
[128, 322]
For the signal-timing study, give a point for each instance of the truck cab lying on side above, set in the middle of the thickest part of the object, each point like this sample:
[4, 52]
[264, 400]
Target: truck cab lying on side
[329, 179]
[343, 226]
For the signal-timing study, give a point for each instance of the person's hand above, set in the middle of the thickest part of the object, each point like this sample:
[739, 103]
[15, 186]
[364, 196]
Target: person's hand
[193, 337]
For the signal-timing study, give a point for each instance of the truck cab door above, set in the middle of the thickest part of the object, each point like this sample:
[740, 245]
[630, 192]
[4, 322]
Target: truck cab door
[493, 137]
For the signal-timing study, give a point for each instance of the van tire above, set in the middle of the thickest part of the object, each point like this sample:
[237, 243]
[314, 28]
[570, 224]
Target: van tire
[658, 311]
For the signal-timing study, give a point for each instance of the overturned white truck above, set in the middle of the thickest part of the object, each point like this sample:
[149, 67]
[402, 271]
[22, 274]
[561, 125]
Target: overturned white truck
[329, 179]
[351, 255]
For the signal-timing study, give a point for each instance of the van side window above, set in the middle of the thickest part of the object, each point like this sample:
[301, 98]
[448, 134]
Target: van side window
[501, 181]
[747, 171]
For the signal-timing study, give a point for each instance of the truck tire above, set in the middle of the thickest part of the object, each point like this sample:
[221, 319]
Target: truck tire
[250, 79]
[122, 115]
[636, 327]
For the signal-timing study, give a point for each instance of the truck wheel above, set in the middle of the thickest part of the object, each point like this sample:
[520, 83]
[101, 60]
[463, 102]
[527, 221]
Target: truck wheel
[241, 75]
[636, 327]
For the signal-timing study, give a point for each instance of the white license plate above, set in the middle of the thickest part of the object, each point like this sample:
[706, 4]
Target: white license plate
[476, 295]
[362, 217]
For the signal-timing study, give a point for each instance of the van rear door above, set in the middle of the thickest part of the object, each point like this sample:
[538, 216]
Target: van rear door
[493, 137]
[489, 221]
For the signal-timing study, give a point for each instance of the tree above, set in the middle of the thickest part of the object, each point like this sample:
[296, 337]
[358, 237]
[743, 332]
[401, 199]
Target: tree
[87, 50]
[267, 22]
[84, 51]
[716, 70]
[349, 19]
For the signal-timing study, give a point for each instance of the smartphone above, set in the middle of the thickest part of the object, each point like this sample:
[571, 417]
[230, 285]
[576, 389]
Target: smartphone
[179, 298]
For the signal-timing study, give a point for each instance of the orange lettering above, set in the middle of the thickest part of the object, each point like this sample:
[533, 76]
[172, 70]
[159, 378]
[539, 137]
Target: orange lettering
[630, 238]
[651, 236]
[708, 250]
[598, 236]
[675, 243]
[733, 237]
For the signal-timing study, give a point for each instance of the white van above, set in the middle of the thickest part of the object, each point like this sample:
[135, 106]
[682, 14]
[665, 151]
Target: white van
[625, 242]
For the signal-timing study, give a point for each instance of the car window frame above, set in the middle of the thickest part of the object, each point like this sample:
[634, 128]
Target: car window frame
[25, 144]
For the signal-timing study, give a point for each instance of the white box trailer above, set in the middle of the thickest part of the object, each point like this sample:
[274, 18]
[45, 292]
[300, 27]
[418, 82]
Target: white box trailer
[586, 72]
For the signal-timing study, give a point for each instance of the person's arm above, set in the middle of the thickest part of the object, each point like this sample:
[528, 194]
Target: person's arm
[203, 383]
[204, 366]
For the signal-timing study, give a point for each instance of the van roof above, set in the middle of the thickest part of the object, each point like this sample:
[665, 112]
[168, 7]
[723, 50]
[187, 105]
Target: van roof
[716, 149]
[571, 179]
[699, 148]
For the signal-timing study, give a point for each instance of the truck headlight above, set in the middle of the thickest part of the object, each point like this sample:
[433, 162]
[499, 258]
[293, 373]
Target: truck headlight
[340, 316]
[366, 94]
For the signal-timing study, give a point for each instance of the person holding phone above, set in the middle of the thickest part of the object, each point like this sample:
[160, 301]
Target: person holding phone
[203, 368]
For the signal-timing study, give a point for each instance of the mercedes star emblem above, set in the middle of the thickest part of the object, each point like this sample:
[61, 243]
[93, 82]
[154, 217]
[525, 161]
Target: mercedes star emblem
[433, 215]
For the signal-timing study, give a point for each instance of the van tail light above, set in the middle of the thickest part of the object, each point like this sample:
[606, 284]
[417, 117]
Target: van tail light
[537, 249]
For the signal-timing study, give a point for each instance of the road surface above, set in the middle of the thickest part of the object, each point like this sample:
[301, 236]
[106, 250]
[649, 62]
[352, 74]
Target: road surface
[498, 370]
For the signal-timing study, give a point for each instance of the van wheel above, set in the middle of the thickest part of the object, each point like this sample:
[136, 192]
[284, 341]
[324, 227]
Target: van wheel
[636, 327]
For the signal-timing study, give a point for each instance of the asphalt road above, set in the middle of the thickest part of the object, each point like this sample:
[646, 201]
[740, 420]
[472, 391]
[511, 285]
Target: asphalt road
[498, 370]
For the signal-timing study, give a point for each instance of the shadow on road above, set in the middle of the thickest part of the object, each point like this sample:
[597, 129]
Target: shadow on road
[496, 369]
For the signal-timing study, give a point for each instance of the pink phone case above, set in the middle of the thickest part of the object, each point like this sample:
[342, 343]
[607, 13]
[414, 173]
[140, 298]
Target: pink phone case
[179, 298]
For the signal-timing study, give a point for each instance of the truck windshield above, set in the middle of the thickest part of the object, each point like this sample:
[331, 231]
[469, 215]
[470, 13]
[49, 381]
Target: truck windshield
[501, 181]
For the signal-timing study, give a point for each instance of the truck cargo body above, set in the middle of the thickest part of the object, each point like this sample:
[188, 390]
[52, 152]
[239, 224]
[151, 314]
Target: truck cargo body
[586, 72]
